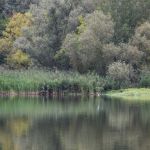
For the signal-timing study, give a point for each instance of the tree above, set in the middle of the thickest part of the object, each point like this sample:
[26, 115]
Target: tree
[15, 6]
[127, 14]
[141, 40]
[131, 55]
[70, 48]
[86, 35]
[2, 17]
[15, 25]
[52, 21]
[87, 45]
[12, 32]
[18, 59]
[121, 73]
[5, 47]
[45, 35]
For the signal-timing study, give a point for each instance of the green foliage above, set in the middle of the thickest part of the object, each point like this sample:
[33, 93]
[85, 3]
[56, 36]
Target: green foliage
[82, 35]
[82, 25]
[49, 29]
[85, 49]
[5, 47]
[34, 80]
[121, 73]
[127, 14]
[145, 79]
[141, 40]
[110, 84]
[3, 23]
[18, 59]
[13, 6]
[2, 18]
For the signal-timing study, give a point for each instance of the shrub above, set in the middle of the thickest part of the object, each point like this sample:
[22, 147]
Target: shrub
[145, 79]
[18, 60]
[119, 74]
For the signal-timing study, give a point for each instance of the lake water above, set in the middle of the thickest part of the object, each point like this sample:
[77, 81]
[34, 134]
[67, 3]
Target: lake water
[73, 123]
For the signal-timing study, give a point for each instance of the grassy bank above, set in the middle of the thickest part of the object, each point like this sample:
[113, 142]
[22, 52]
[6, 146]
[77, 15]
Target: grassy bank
[39, 80]
[141, 94]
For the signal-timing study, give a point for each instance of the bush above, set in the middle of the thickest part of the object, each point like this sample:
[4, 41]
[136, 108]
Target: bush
[110, 84]
[18, 60]
[119, 75]
[145, 79]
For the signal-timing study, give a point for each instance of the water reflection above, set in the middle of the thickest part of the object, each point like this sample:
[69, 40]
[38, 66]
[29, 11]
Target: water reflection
[75, 124]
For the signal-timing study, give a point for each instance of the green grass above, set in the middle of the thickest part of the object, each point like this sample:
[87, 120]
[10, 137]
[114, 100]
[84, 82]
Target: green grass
[133, 94]
[34, 80]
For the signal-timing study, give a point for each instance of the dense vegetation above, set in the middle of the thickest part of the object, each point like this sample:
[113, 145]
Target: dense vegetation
[50, 82]
[108, 37]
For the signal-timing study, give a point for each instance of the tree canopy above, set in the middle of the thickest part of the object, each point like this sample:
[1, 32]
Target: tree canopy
[82, 35]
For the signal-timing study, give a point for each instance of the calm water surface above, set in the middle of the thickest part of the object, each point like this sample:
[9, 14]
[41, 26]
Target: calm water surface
[73, 123]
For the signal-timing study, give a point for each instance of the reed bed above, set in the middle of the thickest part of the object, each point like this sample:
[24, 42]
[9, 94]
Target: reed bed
[52, 81]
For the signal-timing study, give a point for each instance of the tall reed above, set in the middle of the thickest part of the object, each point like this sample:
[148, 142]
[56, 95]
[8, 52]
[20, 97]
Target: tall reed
[55, 81]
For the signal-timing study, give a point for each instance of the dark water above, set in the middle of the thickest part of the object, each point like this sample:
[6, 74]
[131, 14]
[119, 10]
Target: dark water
[73, 123]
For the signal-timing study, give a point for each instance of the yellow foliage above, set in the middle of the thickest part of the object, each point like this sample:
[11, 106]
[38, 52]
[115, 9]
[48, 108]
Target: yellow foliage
[15, 25]
[6, 140]
[5, 45]
[18, 126]
[81, 28]
[18, 59]
[15, 58]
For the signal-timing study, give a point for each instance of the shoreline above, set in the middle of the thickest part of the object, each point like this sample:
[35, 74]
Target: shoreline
[45, 94]
[13, 93]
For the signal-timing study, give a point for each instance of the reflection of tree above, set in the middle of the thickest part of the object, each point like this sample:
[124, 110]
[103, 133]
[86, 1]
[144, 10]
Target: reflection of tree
[119, 120]
[83, 134]
[44, 135]
[5, 141]
[11, 131]
[115, 126]
[86, 135]
[19, 126]
[123, 127]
